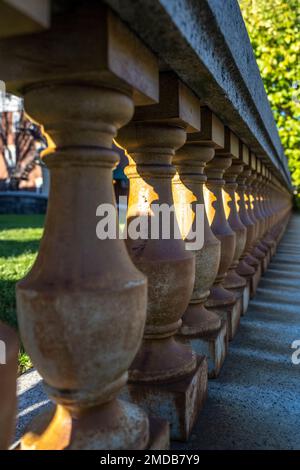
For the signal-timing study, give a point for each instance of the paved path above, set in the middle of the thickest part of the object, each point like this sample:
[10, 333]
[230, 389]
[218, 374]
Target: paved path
[255, 403]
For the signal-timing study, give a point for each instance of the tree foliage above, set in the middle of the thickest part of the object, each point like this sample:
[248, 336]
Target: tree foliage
[274, 28]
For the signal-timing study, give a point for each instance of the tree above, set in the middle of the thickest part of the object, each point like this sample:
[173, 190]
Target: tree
[273, 27]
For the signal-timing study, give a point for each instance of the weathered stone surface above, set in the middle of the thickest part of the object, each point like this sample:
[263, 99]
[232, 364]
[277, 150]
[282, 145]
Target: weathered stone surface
[213, 345]
[178, 402]
[246, 297]
[207, 45]
[24, 17]
[232, 314]
[151, 140]
[83, 358]
[255, 280]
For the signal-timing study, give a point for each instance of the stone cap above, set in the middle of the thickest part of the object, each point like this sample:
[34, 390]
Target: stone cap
[177, 104]
[231, 145]
[212, 130]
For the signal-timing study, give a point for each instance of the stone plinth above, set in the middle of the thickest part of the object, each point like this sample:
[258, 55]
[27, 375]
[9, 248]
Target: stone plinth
[180, 401]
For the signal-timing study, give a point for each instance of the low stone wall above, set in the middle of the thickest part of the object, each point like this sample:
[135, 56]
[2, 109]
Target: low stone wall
[22, 202]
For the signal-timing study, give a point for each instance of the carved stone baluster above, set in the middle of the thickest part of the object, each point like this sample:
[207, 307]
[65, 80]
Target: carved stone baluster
[255, 252]
[243, 202]
[167, 378]
[272, 203]
[82, 307]
[221, 300]
[257, 210]
[247, 263]
[233, 281]
[269, 240]
[266, 241]
[205, 331]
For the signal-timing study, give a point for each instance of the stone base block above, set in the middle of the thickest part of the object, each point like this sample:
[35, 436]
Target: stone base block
[159, 434]
[273, 250]
[232, 315]
[178, 402]
[265, 261]
[255, 280]
[245, 293]
[214, 346]
[246, 297]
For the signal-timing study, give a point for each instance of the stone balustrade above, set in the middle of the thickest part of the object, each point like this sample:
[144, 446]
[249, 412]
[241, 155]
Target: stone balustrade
[125, 333]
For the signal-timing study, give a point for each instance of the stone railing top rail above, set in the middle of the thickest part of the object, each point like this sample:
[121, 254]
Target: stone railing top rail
[206, 43]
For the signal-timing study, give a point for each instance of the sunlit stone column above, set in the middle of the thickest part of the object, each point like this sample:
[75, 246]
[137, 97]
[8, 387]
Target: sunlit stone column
[82, 307]
[279, 209]
[201, 327]
[256, 253]
[166, 378]
[274, 210]
[9, 348]
[258, 250]
[221, 300]
[282, 206]
[233, 281]
[266, 240]
[247, 263]
[243, 202]
[256, 181]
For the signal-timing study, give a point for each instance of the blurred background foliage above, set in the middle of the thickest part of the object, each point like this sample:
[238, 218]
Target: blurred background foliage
[274, 27]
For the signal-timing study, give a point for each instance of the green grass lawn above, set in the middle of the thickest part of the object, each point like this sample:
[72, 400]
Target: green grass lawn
[19, 242]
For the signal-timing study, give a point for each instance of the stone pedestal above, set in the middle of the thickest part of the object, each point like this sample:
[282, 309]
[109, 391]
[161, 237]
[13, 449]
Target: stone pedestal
[255, 280]
[232, 314]
[178, 400]
[213, 345]
[246, 296]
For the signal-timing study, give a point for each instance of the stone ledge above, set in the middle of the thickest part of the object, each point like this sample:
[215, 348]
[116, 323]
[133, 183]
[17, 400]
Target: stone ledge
[207, 45]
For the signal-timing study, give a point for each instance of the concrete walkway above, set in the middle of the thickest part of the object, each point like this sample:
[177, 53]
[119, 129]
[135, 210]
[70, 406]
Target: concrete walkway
[255, 403]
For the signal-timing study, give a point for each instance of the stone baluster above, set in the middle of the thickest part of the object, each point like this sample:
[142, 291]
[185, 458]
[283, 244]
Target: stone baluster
[221, 300]
[278, 220]
[272, 206]
[233, 281]
[267, 241]
[247, 263]
[204, 329]
[257, 210]
[246, 258]
[256, 253]
[283, 211]
[82, 307]
[258, 250]
[166, 378]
